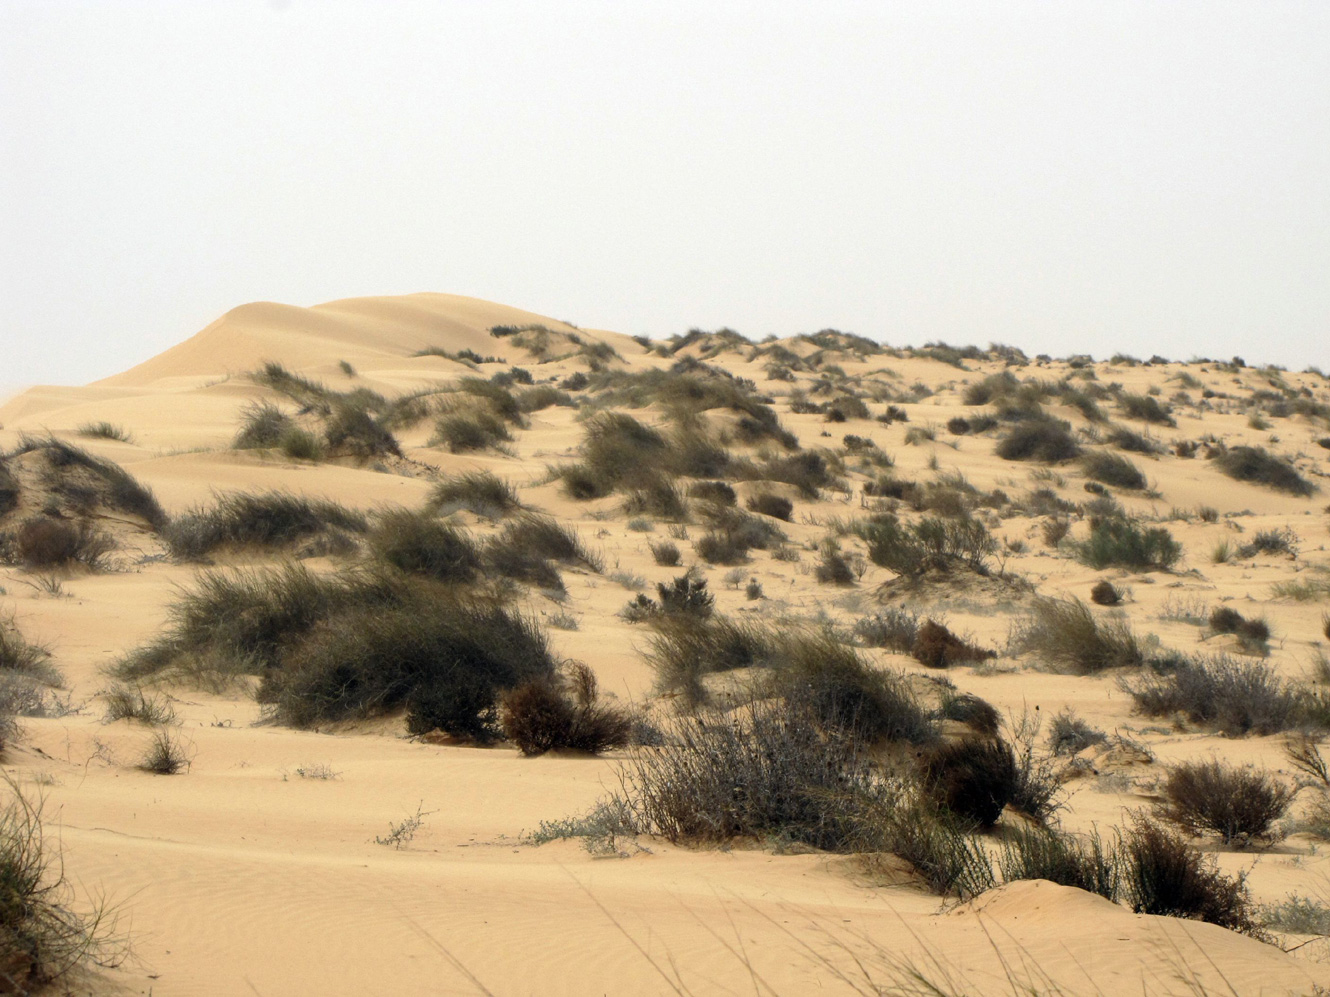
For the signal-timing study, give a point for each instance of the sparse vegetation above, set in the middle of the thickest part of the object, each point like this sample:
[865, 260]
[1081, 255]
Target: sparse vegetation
[1118, 541]
[1238, 804]
[272, 519]
[1257, 466]
[1233, 697]
[552, 713]
[1065, 634]
[479, 492]
[105, 431]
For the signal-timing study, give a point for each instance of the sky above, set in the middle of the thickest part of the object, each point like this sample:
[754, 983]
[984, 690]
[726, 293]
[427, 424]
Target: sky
[1066, 177]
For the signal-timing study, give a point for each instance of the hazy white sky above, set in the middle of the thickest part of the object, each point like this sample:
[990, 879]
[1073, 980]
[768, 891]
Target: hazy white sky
[1067, 177]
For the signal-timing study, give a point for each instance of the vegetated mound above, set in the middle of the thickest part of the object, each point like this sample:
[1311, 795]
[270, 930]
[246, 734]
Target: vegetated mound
[61, 505]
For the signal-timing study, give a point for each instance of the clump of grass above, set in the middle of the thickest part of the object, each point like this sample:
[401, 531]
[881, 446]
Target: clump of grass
[125, 703]
[166, 754]
[1282, 541]
[937, 647]
[553, 713]
[479, 492]
[18, 655]
[418, 543]
[1233, 697]
[659, 497]
[47, 542]
[1068, 734]
[1238, 804]
[769, 504]
[105, 431]
[832, 568]
[107, 481]
[1258, 466]
[1147, 408]
[262, 425]
[1066, 634]
[464, 431]
[734, 534]
[532, 535]
[272, 519]
[1046, 440]
[1118, 541]
[1112, 469]
[44, 937]
[1254, 633]
[683, 649]
[352, 431]
[978, 714]
[715, 492]
[1038, 853]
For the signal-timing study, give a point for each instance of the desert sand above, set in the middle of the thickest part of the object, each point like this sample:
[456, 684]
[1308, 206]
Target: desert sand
[248, 874]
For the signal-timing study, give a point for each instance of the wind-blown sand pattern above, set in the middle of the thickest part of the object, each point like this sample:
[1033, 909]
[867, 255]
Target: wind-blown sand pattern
[251, 873]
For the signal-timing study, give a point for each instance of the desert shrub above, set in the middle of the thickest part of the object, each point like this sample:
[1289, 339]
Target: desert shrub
[735, 534]
[766, 773]
[892, 628]
[658, 496]
[1068, 734]
[475, 430]
[842, 693]
[1065, 633]
[978, 714]
[1282, 541]
[769, 504]
[1234, 697]
[938, 847]
[125, 703]
[444, 659]
[1162, 874]
[832, 568]
[544, 396]
[9, 489]
[480, 492]
[1046, 440]
[973, 778]
[934, 543]
[1257, 466]
[122, 490]
[1054, 530]
[42, 936]
[1122, 542]
[1104, 593]
[554, 713]
[991, 387]
[525, 547]
[47, 542]
[272, 519]
[619, 451]
[1238, 804]
[686, 594]
[937, 647]
[716, 492]
[105, 431]
[665, 553]
[300, 444]
[1147, 408]
[1038, 853]
[1037, 791]
[753, 590]
[1112, 469]
[1254, 633]
[1297, 915]
[262, 425]
[499, 399]
[166, 754]
[351, 430]
[420, 544]
[1130, 440]
[808, 472]
[20, 656]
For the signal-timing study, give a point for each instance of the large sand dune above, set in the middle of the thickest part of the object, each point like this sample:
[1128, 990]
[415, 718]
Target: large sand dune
[246, 876]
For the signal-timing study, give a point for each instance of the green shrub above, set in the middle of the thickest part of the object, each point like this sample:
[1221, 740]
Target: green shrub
[1127, 439]
[665, 553]
[1146, 408]
[1066, 634]
[300, 444]
[1254, 633]
[273, 519]
[262, 425]
[1255, 465]
[1117, 541]
[938, 544]
[352, 431]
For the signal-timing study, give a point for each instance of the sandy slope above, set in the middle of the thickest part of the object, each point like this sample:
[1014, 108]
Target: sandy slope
[246, 877]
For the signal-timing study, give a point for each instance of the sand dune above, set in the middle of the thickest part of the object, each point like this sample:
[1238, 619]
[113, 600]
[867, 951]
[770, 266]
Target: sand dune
[257, 871]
